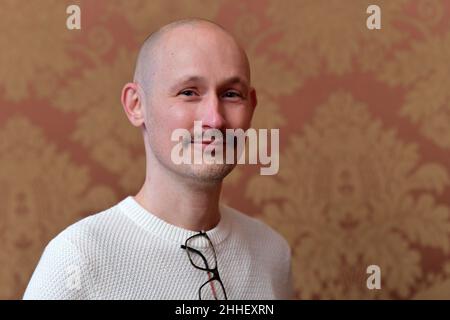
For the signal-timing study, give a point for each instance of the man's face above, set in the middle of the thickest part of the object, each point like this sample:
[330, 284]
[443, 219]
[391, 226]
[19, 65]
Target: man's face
[200, 75]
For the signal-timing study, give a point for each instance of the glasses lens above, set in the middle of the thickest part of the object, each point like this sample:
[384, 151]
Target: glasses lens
[201, 252]
[212, 290]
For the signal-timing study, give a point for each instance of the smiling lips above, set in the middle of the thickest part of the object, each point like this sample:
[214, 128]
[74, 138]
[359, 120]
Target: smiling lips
[204, 143]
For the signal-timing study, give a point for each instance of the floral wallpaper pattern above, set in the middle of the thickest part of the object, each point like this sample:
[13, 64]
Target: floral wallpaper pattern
[364, 119]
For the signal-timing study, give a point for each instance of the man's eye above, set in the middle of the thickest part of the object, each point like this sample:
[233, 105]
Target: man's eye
[232, 94]
[188, 93]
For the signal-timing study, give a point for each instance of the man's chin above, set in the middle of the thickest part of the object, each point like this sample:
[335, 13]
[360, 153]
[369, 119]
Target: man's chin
[209, 172]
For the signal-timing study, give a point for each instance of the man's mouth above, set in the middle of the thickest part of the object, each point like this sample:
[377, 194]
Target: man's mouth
[207, 142]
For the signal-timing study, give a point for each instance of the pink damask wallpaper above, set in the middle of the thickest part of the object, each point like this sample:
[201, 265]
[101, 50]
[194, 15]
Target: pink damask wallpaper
[364, 119]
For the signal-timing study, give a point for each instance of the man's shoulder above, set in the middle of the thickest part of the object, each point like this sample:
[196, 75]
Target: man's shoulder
[89, 230]
[257, 230]
[75, 249]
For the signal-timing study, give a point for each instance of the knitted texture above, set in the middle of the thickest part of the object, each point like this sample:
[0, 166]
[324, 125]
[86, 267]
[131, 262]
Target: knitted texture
[126, 252]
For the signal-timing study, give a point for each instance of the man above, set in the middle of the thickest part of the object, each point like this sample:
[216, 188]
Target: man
[154, 245]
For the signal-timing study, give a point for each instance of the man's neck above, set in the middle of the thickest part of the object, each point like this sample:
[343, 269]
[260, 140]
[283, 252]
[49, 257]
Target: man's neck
[192, 206]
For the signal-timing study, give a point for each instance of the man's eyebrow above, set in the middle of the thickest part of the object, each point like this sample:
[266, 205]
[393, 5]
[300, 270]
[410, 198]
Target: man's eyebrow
[199, 79]
[235, 80]
[185, 80]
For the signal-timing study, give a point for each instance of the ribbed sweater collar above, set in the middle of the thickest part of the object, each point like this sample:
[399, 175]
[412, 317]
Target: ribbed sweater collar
[164, 230]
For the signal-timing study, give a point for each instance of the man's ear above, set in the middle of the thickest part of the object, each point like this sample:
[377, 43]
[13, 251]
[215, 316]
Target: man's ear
[253, 98]
[133, 103]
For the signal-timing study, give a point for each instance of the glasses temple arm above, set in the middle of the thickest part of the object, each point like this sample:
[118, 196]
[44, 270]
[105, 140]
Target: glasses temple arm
[197, 252]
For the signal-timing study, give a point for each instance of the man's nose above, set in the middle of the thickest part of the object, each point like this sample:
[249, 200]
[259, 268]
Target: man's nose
[212, 116]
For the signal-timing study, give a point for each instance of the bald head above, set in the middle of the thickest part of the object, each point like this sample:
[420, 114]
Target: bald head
[181, 33]
[188, 71]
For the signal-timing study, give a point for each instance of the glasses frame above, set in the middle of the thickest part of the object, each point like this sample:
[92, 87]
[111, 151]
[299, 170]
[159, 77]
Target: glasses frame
[214, 270]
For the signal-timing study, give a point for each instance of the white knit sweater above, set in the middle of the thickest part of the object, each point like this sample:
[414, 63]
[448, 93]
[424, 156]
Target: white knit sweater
[125, 252]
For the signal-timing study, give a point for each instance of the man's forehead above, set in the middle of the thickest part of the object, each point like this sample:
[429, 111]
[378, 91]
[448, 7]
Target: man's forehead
[197, 44]
[199, 49]
[188, 61]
